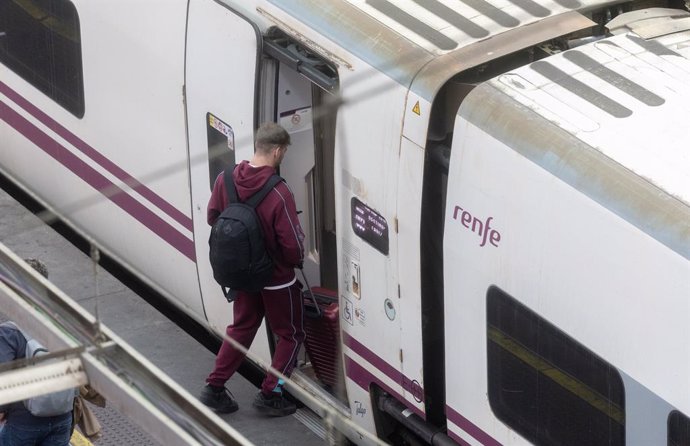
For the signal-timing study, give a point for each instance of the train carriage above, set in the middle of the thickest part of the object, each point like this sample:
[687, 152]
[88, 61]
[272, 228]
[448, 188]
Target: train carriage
[495, 191]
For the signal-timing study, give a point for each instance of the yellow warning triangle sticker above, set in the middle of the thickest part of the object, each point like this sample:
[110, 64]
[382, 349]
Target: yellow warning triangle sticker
[415, 109]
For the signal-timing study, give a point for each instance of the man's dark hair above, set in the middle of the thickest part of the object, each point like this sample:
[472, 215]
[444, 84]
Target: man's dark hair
[271, 135]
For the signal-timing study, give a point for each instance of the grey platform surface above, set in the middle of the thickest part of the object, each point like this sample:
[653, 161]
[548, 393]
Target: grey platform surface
[143, 327]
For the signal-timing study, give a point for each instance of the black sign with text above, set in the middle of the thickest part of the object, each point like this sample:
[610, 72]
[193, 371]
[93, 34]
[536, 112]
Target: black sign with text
[369, 225]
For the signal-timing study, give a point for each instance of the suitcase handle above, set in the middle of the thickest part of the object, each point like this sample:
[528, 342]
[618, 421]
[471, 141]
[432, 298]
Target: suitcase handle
[313, 298]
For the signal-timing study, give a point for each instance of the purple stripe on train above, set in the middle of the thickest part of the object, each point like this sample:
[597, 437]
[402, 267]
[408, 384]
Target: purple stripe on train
[410, 385]
[364, 378]
[96, 156]
[469, 427]
[137, 210]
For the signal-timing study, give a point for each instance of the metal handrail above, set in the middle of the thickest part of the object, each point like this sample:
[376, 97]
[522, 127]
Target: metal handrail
[86, 351]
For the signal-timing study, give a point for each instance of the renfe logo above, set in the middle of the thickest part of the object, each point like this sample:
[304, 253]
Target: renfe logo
[480, 228]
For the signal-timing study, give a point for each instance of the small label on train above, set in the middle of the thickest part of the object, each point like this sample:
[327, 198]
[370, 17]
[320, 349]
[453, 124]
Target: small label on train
[483, 229]
[224, 129]
[369, 225]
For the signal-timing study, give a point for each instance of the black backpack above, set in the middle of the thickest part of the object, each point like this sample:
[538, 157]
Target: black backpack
[238, 253]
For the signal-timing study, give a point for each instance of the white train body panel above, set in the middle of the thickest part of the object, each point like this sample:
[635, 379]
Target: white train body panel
[531, 262]
[573, 226]
[133, 130]
[555, 189]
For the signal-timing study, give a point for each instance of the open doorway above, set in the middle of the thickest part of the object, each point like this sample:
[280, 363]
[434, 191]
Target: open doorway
[299, 88]
[299, 91]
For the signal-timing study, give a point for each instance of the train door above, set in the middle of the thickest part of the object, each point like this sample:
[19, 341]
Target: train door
[304, 84]
[236, 79]
[221, 73]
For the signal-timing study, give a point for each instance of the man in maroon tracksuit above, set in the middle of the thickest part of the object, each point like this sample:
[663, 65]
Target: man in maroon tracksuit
[280, 301]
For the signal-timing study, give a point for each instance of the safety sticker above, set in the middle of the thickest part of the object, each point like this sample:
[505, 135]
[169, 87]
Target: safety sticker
[352, 278]
[223, 128]
[361, 316]
[296, 120]
[416, 109]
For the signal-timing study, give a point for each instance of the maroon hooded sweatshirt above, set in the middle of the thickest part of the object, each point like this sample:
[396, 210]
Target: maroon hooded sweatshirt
[277, 212]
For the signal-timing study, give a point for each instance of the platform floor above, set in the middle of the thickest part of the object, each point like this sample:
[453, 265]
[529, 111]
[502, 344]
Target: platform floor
[143, 327]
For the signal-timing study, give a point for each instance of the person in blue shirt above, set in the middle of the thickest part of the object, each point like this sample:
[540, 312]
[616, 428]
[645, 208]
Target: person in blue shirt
[20, 427]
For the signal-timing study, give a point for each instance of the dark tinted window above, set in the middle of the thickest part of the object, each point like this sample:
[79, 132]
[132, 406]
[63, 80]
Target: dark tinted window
[545, 385]
[221, 146]
[678, 429]
[40, 41]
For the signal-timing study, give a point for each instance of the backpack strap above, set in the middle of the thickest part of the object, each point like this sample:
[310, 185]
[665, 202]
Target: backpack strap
[230, 184]
[258, 197]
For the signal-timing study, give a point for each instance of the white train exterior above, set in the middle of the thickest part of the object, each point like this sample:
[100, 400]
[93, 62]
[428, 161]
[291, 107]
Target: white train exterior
[506, 223]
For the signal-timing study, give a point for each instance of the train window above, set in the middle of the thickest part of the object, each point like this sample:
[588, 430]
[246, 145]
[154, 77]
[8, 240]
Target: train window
[545, 385]
[678, 429]
[41, 42]
[221, 146]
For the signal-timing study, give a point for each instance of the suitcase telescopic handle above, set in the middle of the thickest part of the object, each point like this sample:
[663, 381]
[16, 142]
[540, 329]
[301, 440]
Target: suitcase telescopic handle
[313, 298]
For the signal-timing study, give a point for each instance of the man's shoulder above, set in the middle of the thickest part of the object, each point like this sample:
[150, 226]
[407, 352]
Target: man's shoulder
[9, 329]
[12, 343]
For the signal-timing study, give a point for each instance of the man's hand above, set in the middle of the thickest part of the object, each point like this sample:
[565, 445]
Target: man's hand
[2, 417]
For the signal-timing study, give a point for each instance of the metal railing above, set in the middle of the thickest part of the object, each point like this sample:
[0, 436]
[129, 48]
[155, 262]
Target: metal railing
[84, 351]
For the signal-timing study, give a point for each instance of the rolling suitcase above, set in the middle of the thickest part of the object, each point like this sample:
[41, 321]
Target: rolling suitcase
[321, 325]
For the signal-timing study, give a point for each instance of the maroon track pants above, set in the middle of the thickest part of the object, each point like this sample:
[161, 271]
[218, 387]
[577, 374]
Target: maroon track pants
[283, 309]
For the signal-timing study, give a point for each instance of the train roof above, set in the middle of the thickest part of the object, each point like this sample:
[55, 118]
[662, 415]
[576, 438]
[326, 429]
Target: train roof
[436, 26]
[443, 26]
[612, 121]
[400, 38]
